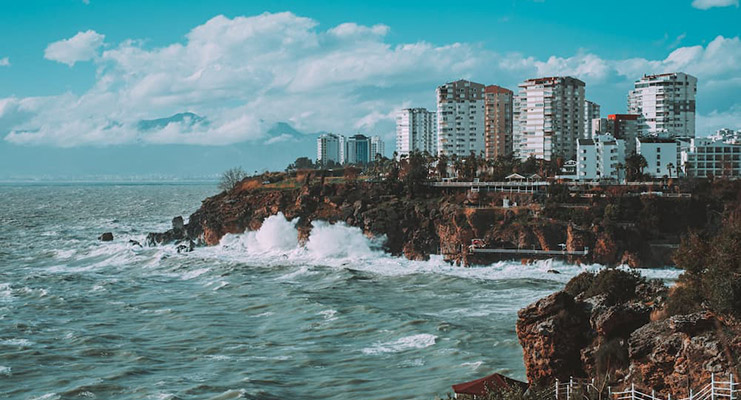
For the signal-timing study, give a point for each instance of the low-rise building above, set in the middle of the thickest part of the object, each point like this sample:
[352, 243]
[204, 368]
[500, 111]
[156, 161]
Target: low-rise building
[599, 158]
[712, 156]
[661, 155]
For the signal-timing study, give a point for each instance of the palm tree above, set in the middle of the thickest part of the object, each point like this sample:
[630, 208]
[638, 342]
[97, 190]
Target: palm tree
[670, 167]
[619, 167]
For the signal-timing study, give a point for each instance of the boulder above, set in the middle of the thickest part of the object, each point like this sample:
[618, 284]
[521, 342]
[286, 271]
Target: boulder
[106, 237]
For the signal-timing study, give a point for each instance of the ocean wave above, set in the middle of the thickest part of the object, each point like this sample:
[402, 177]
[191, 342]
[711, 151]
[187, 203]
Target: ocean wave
[342, 246]
[419, 341]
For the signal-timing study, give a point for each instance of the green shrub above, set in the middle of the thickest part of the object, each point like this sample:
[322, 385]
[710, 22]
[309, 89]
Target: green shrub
[683, 300]
[712, 271]
[579, 284]
[617, 285]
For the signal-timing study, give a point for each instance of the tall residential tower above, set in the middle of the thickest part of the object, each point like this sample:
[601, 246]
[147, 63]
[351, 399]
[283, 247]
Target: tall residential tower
[416, 129]
[549, 117]
[666, 104]
[497, 122]
[460, 118]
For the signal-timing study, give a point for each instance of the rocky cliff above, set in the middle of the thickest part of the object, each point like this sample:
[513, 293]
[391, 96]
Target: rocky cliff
[433, 221]
[613, 328]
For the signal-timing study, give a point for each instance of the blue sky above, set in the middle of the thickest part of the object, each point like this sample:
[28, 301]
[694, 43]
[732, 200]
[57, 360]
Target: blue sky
[76, 77]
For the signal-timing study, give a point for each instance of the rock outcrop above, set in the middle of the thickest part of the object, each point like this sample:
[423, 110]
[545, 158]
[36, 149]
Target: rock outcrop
[595, 336]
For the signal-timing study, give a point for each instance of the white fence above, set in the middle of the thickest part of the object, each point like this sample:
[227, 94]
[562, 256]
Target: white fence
[579, 389]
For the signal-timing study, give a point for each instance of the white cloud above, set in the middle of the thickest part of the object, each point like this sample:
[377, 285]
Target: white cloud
[706, 4]
[4, 62]
[245, 74]
[711, 122]
[81, 47]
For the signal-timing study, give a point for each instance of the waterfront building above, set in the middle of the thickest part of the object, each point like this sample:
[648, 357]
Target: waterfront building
[460, 118]
[666, 105]
[661, 155]
[416, 130]
[591, 112]
[549, 117]
[376, 147]
[357, 149]
[328, 147]
[497, 122]
[712, 156]
[599, 158]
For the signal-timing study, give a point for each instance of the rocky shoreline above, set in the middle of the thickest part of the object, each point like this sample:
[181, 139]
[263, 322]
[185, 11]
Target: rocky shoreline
[625, 340]
[616, 228]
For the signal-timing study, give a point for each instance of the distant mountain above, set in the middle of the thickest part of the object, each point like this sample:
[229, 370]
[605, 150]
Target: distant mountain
[188, 118]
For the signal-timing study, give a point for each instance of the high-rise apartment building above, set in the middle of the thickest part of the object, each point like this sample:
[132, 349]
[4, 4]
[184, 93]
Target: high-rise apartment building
[376, 147]
[497, 122]
[460, 118]
[328, 148]
[416, 129]
[550, 117]
[357, 149]
[591, 111]
[666, 104]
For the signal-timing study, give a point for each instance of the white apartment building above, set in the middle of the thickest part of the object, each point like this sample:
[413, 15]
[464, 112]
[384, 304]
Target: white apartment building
[659, 154]
[666, 104]
[549, 117]
[460, 118]
[330, 147]
[598, 158]
[416, 129]
[376, 147]
[591, 112]
[712, 156]
[497, 122]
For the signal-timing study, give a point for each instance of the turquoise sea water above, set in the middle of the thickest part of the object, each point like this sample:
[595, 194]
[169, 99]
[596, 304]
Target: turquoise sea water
[259, 317]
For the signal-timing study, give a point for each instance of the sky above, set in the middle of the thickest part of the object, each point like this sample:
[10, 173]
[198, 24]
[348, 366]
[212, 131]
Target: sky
[186, 89]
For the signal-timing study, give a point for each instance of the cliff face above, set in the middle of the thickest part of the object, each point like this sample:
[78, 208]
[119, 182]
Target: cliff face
[430, 222]
[564, 336]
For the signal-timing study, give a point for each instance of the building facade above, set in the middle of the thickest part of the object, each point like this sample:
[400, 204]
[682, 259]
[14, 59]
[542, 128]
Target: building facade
[624, 126]
[591, 112]
[661, 155]
[376, 147]
[357, 149]
[460, 118]
[666, 105]
[497, 122]
[599, 158]
[712, 156]
[416, 129]
[328, 147]
[550, 117]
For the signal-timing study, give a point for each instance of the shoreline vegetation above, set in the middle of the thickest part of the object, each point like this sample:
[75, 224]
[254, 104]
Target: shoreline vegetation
[614, 326]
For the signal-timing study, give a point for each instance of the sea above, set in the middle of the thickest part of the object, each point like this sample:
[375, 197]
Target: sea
[259, 316]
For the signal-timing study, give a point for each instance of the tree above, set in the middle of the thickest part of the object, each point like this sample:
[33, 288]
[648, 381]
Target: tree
[634, 165]
[415, 172]
[442, 166]
[619, 167]
[231, 177]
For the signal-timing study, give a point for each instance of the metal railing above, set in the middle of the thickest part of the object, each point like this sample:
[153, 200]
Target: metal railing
[580, 389]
